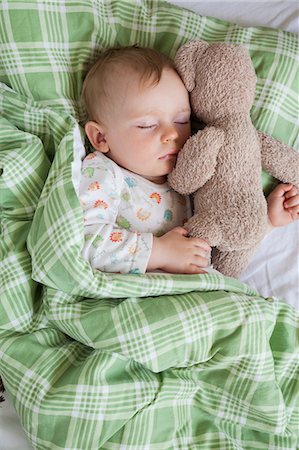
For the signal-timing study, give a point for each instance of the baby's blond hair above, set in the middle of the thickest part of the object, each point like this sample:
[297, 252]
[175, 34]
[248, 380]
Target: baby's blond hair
[146, 62]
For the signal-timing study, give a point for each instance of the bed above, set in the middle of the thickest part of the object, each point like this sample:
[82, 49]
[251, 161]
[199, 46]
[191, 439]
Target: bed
[50, 359]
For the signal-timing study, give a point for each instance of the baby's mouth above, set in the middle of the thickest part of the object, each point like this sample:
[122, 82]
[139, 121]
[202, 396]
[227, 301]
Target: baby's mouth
[171, 155]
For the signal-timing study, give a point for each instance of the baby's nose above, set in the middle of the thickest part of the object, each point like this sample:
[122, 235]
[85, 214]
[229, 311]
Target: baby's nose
[169, 133]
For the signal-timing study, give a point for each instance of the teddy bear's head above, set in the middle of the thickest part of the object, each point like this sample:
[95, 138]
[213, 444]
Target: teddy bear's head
[220, 78]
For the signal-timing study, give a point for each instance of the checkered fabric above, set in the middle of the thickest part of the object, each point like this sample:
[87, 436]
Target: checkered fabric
[132, 362]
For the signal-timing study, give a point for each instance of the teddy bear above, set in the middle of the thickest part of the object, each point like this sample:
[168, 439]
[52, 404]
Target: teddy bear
[221, 164]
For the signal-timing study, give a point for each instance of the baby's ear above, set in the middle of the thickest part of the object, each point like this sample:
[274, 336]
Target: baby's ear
[185, 61]
[95, 134]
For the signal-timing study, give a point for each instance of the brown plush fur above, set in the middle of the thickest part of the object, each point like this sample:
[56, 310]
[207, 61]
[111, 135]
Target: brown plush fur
[222, 164]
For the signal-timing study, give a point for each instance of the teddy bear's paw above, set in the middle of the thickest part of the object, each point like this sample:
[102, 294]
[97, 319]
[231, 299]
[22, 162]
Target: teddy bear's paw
[204, 228]
[231, 263]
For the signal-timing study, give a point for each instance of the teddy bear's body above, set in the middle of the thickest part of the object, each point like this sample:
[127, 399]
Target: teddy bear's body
[222, 163]
[245, 207]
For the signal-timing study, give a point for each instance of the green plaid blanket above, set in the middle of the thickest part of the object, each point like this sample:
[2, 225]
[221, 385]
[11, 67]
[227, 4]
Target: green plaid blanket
[106, 361]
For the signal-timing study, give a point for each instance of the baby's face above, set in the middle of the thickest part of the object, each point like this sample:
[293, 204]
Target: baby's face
[146, 126]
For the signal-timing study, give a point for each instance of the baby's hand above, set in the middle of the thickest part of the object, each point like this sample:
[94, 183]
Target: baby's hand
[175, 252]
[283, 205]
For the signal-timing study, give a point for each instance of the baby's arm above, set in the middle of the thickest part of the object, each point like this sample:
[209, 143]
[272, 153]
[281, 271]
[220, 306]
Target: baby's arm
[283, 205]
[175, 252]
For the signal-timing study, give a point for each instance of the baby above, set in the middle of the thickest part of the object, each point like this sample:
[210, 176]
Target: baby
[138, 120]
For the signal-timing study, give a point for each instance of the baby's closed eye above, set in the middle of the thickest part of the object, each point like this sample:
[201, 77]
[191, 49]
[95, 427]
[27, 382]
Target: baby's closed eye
[146, 127]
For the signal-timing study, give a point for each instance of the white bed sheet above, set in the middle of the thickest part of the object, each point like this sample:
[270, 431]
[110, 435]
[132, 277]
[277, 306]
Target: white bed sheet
[274, 269]
[274, 14]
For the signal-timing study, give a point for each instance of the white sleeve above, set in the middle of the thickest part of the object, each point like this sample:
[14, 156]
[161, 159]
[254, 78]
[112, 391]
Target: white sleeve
[108, 247]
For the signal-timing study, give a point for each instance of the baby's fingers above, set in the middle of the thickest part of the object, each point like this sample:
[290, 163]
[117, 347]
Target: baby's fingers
[293, 195]
[291, 202]
[294, 211]
[282, 190]
[200, 261]
[198, 242]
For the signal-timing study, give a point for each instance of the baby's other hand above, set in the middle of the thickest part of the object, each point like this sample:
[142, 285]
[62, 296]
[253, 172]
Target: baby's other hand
[283, 205]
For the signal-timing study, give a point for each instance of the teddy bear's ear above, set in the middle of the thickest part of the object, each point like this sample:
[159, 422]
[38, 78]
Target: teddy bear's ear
[185, 61]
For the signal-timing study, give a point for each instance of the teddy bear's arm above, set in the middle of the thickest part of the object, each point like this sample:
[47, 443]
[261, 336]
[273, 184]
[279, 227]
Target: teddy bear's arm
[196, 161]
[280, 160]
